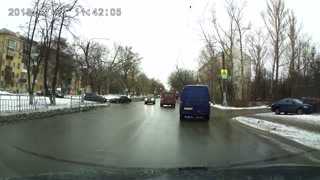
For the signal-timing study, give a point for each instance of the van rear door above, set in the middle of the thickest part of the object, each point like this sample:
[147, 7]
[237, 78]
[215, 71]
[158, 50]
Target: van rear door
[196, 100]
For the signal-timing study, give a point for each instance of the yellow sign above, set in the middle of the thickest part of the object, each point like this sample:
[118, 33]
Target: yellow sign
[224, 72]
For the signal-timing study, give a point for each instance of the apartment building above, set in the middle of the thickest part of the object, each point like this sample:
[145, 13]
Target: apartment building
[13, 70]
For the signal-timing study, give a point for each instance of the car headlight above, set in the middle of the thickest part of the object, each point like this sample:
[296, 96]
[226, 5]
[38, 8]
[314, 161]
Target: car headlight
[145, 99]
[152, 99]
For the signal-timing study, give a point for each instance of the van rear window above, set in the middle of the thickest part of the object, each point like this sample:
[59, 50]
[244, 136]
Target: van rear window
[195, 93]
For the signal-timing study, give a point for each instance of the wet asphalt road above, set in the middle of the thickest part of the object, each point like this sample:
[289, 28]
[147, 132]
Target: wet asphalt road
[138, 135]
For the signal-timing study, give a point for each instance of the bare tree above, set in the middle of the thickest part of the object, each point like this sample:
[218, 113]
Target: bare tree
[34, 56]
[130, 62]
[292, 48]
[47, 29]
[226, 38]
[236, 12]
[181, 77]
[258, 50]
[274, 19]
[65, 21]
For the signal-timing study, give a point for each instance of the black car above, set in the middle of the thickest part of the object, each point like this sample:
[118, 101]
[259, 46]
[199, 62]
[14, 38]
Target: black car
[314, 102]
[290, 105]
[121, 99]
[150, 98]
[94, 97]
[50, 93]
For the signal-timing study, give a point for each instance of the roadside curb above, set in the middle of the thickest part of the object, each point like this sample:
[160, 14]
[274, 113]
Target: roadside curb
[26, 116]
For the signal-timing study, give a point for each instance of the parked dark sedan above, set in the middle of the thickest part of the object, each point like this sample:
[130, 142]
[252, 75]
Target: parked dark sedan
[314, 102]
[94, 97]
[121, 99]
[290, 105]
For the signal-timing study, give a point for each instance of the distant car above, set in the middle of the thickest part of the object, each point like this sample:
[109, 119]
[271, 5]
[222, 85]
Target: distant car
[50, 93]
[195, 102]
[150, 98]
[314, 102]
[94, 97]
[290, 105]
[168, 98]
[259, 100]
[120, 99]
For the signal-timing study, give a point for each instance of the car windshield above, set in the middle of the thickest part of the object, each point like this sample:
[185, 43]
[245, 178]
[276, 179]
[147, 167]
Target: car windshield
[150, 96]
[144, 84]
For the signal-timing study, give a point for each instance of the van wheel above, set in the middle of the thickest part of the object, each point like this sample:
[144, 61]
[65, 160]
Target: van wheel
[173, 106]
[161, 105]
[277, 111]
[181, 117]
[206, 118]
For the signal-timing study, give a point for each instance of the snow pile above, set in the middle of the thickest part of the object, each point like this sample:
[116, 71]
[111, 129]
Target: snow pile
[307, 138]
[4, 93]
[229, 107]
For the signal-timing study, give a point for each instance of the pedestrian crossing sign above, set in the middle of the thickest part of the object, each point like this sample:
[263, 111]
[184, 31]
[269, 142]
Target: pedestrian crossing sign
[224, 73]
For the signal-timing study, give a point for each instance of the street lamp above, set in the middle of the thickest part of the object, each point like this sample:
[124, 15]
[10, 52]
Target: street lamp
[86, 59]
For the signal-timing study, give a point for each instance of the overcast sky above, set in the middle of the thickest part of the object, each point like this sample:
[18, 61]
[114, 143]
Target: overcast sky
[163, 32]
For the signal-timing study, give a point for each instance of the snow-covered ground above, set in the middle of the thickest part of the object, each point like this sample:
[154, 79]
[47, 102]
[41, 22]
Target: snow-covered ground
[237, 108]
[305, 137]
[308, 118]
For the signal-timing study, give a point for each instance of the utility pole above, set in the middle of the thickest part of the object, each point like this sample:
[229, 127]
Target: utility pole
[224, 94]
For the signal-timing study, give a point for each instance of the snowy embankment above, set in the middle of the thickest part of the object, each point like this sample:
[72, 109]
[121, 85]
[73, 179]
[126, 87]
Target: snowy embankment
[311, 139]
[237, 108]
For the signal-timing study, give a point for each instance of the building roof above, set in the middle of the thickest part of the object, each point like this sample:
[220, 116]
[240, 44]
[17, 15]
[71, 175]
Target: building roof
[15, 34]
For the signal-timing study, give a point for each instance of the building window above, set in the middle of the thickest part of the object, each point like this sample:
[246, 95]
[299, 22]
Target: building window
[17, 84]
[17, 75]
[12, 74]
[10, 52]
[13, 65]
[20, 86]
[8, 63]
[2, 73]
[18, 67]
[22, 76]
[11, 43]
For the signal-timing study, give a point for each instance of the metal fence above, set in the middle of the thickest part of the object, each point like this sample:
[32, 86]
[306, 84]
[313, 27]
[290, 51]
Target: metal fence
[19, 103]
[15, 102]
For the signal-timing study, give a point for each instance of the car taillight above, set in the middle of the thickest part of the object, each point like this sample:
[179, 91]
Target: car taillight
[161, 99]
[180, 102]
[313, 102]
